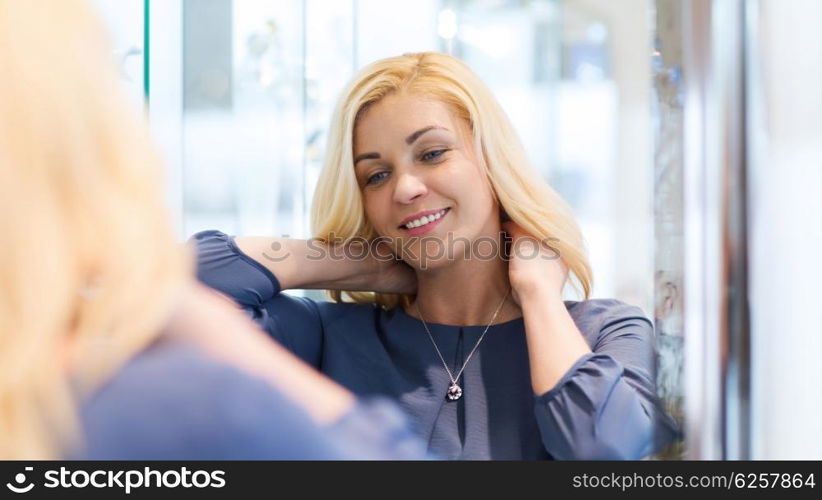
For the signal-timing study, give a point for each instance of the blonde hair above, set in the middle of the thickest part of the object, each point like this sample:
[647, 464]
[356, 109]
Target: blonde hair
[523, 194]
[89, 256]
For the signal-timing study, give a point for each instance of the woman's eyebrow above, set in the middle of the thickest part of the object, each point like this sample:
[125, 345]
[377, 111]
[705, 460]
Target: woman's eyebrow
[408, 140]
[416, 135]
[366, 156]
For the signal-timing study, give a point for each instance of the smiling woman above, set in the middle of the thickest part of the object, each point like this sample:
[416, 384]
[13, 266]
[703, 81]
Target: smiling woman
[479, 348]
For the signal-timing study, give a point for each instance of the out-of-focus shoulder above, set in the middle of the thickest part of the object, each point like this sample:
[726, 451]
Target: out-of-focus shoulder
[173, 402]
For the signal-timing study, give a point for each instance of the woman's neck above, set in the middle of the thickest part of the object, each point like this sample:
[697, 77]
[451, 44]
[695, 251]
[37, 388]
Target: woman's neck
[466, 292]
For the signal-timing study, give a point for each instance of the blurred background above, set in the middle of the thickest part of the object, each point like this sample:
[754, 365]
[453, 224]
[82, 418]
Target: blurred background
[687, 136]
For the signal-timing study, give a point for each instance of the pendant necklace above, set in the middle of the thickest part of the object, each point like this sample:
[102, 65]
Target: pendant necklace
[454, 390]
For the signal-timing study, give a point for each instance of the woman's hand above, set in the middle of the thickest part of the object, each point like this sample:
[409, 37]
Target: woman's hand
[535, 268]
[390, 275]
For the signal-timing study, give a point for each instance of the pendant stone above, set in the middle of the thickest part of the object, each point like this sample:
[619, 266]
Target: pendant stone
[454, 392]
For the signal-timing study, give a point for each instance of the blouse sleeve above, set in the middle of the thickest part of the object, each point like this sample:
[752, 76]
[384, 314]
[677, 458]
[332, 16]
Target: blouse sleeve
[292, 321]
[605, 407]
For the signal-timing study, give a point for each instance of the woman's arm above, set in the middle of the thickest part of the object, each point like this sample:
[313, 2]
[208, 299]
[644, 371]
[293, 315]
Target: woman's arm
[311, 264]
[595, 397]
[198, 395]
[605, 407]
[203, 318]
[554, 341]
[372, 428]
[255, 281]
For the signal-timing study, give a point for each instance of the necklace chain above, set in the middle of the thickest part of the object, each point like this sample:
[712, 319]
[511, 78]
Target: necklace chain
[465, 363]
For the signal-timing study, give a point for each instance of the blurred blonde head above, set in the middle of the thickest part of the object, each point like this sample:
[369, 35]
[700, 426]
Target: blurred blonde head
[521, 192]
[89, 266]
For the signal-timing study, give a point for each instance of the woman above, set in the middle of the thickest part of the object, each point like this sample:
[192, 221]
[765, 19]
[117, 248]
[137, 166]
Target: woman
[424, 177]
[108, 348]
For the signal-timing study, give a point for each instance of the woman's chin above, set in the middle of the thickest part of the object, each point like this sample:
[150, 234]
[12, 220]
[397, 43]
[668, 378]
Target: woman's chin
[430, 265]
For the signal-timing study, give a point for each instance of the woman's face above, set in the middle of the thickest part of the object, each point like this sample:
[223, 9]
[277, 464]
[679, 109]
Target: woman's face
[421, 181]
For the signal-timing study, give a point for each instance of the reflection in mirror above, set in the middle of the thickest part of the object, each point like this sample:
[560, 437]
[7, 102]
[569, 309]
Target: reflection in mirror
[583, 82]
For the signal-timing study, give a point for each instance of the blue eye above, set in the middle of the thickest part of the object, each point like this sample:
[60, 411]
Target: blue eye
[433, 155]
[376, 177]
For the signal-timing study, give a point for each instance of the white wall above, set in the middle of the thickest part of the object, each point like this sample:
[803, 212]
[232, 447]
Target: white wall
[786, 232]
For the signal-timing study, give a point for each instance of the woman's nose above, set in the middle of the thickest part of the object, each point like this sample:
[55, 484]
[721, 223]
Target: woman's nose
[408, 188]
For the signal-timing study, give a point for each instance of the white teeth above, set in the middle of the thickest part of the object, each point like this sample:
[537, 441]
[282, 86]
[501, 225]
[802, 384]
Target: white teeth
[426, 219]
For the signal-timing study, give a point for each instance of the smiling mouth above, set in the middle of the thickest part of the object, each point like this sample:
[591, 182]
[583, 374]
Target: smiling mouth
[425, 220]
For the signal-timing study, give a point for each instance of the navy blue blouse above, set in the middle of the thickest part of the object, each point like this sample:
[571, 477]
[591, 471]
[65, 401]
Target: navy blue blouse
[604, 407]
